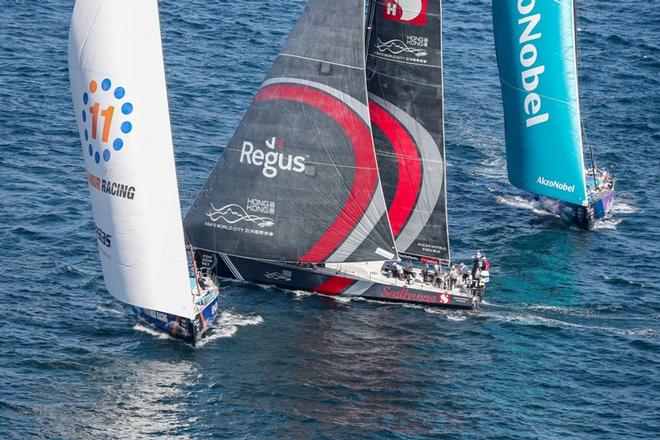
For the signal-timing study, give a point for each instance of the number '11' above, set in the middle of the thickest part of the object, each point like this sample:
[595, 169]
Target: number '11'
[107, 120]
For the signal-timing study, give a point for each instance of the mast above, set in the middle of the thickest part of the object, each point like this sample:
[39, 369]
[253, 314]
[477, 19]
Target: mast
[370, 21]
[577, 53]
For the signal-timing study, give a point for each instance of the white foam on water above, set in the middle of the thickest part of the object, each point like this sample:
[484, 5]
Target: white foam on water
[533, 320]
[557, 309]
[523, 203]
[144, 328]
[341, 299]
[624, 208]
[494, 169]
[456, 317]
[111, 310]
[608, 223]
[450, 315]
[226, 325]
[301, 294]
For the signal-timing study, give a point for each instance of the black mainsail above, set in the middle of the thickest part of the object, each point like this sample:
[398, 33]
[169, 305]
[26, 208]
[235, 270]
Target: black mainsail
[299, 179]
[405, 84]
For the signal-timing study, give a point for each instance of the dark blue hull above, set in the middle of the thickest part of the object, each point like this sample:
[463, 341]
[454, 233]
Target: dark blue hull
[585, 217]
[188, 330]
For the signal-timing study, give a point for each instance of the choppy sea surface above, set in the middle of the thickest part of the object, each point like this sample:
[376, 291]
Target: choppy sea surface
[567, 346]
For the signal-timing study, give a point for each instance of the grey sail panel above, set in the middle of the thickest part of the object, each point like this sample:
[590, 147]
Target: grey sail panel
[405, 84]
[299, 180]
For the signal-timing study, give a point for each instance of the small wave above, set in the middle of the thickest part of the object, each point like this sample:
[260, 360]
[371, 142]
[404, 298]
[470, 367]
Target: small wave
[227, 317]
[493, 169]
[342, 299]
[151, 331]
[227, 324]
[301, 294]
[103, 309]
[458, 317]
[523, 203]
[537, 320]
[515, 201]
[624, 208]
[607, 224]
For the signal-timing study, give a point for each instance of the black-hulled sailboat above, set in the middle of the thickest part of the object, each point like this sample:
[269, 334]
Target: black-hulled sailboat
[304, 200]
[536, 44]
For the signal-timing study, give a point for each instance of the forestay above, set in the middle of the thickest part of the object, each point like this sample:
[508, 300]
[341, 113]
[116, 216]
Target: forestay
[299, 181]
[536, 53]
[405, 82]
[119, 94]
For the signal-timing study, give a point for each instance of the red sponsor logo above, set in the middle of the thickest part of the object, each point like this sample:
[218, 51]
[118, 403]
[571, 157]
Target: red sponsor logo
[429, 260]
[406, 11]
[444, 298]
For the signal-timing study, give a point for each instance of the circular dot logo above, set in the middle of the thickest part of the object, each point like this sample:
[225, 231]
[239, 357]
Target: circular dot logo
[106, 118]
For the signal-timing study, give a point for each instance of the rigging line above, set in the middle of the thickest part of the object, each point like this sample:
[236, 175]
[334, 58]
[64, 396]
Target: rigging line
[582, 128]
[369, 28]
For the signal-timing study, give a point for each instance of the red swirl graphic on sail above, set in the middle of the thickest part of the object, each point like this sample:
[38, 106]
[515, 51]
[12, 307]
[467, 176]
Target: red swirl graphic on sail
[366, 175]
[409, 164]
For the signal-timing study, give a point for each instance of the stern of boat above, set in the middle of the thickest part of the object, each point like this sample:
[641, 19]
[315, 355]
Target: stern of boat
[585, 217]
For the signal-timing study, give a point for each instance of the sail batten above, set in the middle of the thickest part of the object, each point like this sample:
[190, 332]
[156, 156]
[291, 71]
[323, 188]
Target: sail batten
[404, 75]
[299, 180]
[536, 53]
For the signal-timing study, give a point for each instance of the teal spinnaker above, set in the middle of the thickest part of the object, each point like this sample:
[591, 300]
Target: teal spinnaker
[535, 41]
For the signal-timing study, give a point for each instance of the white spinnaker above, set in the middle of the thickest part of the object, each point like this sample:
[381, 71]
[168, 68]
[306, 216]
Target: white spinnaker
[120, 99]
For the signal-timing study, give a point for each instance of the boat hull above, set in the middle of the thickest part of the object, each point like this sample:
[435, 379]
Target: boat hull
[585, 217]
[188, 330]
[311, 279]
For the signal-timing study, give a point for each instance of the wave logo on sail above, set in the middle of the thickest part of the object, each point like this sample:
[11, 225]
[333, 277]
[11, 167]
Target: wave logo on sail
[406, 11]
[398, 47]
[106, 119]
[271, 160]
[233, 214]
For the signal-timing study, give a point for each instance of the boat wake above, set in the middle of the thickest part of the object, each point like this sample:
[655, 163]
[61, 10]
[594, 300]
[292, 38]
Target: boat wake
[226, 325]
[624, 208]
[608, 223]
[109, 310]
[523, 203]
[535, 316]
[144, 328]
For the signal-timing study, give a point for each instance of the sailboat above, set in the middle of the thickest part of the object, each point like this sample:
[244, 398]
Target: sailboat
[334, 181]
[536, 45]
[119, 94]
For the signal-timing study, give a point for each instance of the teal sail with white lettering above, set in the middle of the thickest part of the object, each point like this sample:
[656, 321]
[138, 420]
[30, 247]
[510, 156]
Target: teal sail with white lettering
[535, 41]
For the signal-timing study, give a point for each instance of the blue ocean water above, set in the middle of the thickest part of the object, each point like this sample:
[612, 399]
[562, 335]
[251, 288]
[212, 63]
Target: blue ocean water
[567, 346]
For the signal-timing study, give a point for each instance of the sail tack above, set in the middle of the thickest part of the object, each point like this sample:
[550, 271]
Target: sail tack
[299, 180]
[118, 85]
[536, 53]
[404, 77]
